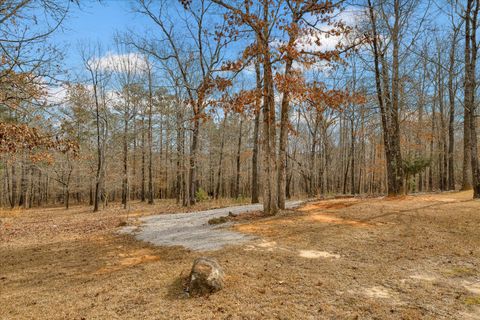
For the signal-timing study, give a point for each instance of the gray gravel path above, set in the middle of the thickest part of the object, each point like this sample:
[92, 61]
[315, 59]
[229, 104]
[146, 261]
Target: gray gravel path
[192, 230]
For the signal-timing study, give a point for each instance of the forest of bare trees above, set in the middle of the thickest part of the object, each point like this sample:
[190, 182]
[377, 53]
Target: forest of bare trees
[264, 100]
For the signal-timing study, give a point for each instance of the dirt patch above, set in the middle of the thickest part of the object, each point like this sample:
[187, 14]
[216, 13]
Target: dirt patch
[128, 259]
[322, 212]
[313, 254]
[424, 277]
[377, 292]
[473, 287]
[265, 227]
[325, 218]
[329, 204]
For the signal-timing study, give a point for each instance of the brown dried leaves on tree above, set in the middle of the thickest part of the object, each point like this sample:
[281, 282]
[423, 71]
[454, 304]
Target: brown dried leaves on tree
[17, 137]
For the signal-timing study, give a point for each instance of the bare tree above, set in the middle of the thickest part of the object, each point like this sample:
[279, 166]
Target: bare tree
[470, 16]
[196, 66]
[98, 78]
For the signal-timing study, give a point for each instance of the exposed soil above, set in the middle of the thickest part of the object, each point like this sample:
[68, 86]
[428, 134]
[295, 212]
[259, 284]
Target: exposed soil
[410, 258]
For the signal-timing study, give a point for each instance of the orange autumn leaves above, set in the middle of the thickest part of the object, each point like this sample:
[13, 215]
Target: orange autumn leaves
[297, 40]
[20, 137]
[314, 95]
[15, 88]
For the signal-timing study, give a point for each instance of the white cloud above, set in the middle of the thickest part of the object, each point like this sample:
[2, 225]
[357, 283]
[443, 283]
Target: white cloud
[351, 17]
[56, 94]
[319, 41]
[133, 62]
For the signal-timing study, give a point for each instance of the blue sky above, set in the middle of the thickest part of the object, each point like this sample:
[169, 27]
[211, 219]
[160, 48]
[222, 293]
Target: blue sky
[98, 21]
[95, 21]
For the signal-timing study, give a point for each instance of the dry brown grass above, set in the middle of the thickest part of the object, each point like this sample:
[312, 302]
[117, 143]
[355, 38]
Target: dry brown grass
[45, 224]
[337, 259]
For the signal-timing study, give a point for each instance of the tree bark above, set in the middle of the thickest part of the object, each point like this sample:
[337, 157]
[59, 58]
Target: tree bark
[142, 187]
[149, 137]
[471, 48]
[352, 154]
[125, 190]
[220, 159]
[270, 206]
[13, 197]
[192, 182]
[389, 107]
[98, 176]
[284, 120]
[239, 149]
[256, 134]
[451, 115]
[179, 163]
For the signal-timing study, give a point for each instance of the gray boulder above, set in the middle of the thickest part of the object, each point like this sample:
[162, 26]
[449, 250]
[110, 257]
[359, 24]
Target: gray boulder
[205, 278]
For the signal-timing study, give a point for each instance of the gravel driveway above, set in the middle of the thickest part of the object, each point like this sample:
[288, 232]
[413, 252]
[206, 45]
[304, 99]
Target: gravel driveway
[192, 230]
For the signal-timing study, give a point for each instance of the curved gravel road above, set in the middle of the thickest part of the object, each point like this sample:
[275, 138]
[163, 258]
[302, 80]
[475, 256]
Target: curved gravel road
[192, 230]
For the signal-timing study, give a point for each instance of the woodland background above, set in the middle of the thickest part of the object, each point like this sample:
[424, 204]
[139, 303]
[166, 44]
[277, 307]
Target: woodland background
[262, 100]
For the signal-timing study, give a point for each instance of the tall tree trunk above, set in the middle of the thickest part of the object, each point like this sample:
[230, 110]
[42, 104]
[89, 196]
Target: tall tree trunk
[132, 183]
[352, 154]
[98, 176]
[179, 163]
[473, 119]
[13, 197]
[142, 187]
[256, 134]
[270, 204]
[31, 196]
[471, 48]
[443, 131]
[387, 107]
[90, 194]
[467, 150]
[284, 120]
[432, 149]
[220, 159]
[451, 115]
[125, 190]
[397, 155]
[39, 189]
[161, 190]
[149, 138]
[166, 159]
[311, 187]
[22, 200]
[239, 149]
[192, 183]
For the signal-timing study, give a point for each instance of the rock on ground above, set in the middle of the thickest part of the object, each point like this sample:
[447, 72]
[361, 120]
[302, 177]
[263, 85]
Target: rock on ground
[206, 277]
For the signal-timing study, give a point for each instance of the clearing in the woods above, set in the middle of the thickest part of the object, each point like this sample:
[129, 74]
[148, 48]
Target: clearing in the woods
[415, 257]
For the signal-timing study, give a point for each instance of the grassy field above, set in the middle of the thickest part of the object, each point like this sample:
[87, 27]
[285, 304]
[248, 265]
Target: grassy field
[416, 257]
